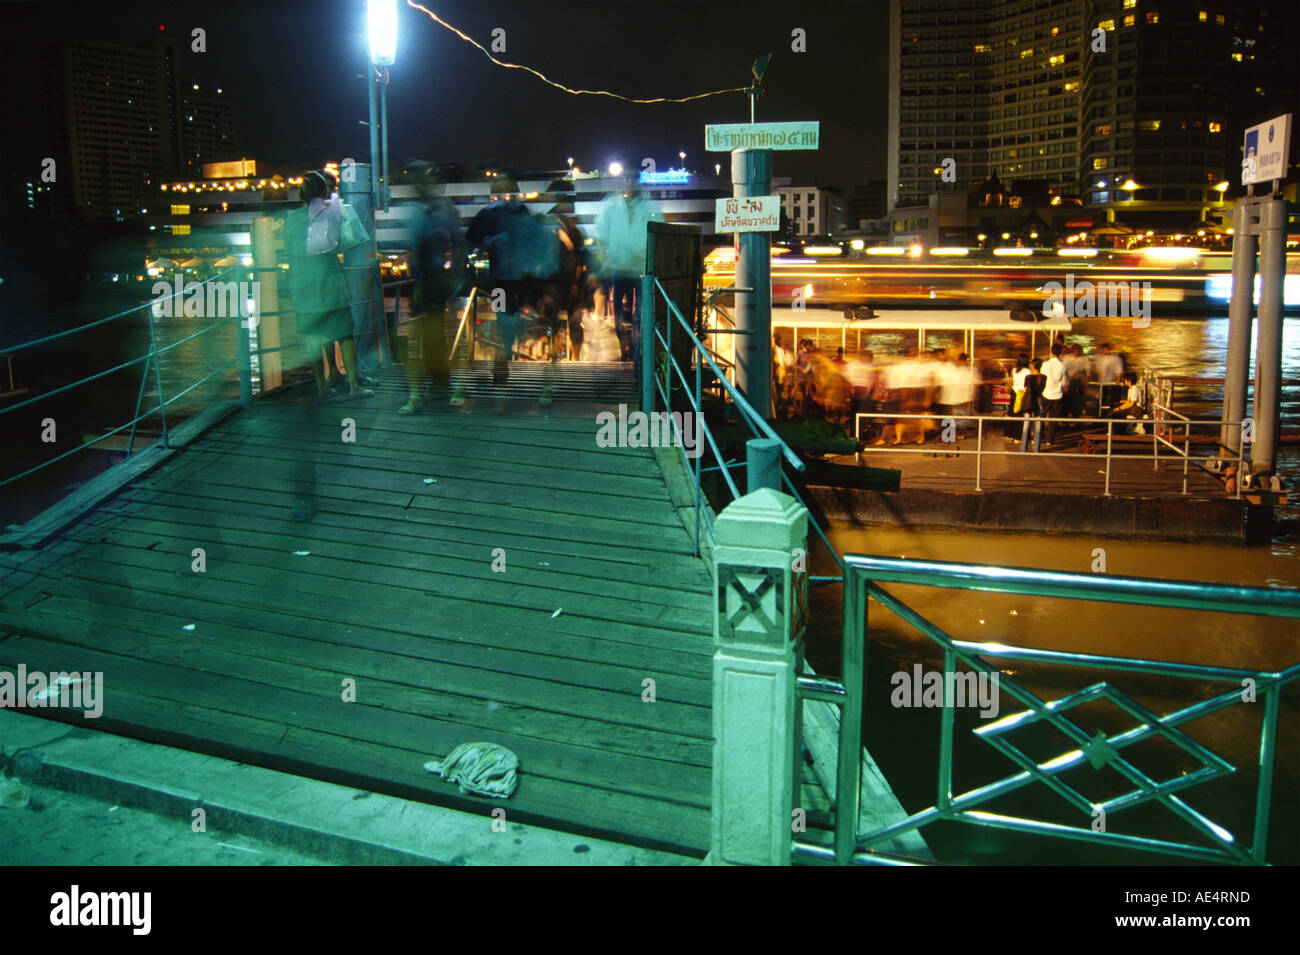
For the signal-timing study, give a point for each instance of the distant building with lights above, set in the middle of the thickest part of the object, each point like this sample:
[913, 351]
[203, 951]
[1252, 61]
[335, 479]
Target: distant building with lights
[1144, 130]
[812, 210]
[122, 122]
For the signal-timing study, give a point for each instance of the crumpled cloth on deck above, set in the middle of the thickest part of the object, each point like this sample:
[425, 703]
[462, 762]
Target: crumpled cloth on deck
[484, 769]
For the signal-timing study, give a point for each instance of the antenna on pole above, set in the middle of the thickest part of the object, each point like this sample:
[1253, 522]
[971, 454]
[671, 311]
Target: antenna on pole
[755, 89]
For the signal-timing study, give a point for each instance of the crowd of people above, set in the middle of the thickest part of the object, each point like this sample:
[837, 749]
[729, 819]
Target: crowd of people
[914, 396]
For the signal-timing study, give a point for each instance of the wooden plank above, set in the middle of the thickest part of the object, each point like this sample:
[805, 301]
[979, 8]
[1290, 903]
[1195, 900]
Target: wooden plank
[419, 590]
[155, 635]
[323, 711]
[371, 767]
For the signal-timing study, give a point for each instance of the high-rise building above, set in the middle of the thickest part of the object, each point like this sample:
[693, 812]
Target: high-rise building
[206, 128]
[121, 124]
[1135, 105]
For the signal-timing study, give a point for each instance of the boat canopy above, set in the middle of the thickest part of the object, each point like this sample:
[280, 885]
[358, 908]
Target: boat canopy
[909, 319]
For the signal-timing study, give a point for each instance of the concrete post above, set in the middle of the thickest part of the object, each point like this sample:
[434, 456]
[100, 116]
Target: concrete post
[267, 276]
[361, 266]
[758, 652]
[1268, 344]
[751, 175]
[762, 464]
[1240, 313]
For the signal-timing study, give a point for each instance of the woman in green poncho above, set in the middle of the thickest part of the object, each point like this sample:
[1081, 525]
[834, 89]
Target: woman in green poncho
[314, 235]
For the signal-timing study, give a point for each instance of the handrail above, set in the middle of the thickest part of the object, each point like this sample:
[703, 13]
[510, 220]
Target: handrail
[151, 357]
[980, 451]
[756, 423]
[8, 349]
[863, 576]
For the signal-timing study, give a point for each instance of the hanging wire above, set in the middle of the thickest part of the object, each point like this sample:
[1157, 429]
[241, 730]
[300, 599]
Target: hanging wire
[517, 66]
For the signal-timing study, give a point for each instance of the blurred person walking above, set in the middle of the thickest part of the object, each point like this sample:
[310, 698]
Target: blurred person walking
[621, 226]
[440, 263]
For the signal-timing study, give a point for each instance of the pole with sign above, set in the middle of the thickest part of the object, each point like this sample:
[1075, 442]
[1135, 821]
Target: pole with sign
[754, 217]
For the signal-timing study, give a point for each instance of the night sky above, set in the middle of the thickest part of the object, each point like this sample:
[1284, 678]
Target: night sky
[294, 68]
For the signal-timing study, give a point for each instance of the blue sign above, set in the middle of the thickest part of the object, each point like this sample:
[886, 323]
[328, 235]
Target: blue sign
[668, 177]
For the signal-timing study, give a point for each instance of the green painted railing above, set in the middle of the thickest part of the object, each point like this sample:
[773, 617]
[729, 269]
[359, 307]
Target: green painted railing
[657, 368]
[863, 577]
[150, 359]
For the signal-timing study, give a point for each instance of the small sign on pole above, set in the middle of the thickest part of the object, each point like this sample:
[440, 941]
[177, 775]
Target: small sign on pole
[1264, 154]
[725, 138]
[748, 214]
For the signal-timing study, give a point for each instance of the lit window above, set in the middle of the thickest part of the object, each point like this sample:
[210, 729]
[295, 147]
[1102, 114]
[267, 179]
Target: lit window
[1130, 4]
[180, 230]
[1027, 51]
[1056, 60]
[1218, 18]
[1103, 130]
[1153, 17]
[1203, 16]
[1216, 127]
[1107, 24]
[1055, 31]
[982, 48]
[1128, 20]
[1237, 57]
[180, 210]
[1101, 162]
[1071, 87]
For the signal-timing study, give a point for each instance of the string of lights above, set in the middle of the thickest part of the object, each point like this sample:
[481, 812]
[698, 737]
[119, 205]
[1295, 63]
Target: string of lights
[559, 86]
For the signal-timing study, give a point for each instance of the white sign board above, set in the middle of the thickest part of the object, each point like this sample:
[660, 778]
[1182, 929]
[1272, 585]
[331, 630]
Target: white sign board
[751, 214]
[723, 139]
[1264, 155]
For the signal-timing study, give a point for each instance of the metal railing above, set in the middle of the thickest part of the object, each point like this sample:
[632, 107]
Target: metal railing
[657, 369]
[862, 578]
[150, 359]
[1162, 431]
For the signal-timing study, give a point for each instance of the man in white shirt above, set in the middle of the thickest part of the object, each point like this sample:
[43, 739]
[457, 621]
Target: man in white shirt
[1054, 390]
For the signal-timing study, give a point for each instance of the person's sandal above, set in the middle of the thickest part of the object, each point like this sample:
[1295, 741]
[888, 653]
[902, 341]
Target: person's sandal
[412, 406]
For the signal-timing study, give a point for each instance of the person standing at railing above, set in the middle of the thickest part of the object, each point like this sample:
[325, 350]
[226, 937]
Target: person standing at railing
[1076, 373]
[863, 375]
[784, 375]
[1054, 390]
[1018, 390]
[314, 237]
[1107, 369]
[440, 263]
[1033, 404]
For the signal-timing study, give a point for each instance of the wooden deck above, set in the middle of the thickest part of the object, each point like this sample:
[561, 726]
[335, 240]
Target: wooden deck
[392, 585]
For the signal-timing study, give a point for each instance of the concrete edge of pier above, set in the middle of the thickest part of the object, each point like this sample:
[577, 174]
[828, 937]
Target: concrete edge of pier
[335, 823]
[1174, 518]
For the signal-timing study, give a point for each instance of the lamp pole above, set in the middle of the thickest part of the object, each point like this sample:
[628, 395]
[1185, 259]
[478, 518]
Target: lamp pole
[381, 21]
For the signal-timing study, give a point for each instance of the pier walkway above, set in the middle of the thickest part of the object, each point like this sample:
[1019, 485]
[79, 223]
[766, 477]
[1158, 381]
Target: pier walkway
[479, 574]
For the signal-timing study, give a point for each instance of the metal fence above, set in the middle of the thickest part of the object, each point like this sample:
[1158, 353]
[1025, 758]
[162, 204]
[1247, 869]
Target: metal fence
[149, 360]
[658, 368]
[1169, 430]
[862, 579]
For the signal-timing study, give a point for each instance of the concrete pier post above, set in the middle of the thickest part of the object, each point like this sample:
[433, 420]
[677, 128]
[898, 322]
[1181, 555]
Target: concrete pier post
[762, 464]
[267, 277]
[1268, 344]
[361, 267]
[1240, 313]
[758, 652]
[751, 175]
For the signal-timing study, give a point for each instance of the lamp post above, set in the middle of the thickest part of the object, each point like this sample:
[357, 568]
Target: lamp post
[381, 22]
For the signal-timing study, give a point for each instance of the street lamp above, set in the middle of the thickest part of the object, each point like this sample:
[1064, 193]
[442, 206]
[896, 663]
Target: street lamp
[616, 169]
[381, 23]
[1129, 186]
[682, 157]
[570, 167]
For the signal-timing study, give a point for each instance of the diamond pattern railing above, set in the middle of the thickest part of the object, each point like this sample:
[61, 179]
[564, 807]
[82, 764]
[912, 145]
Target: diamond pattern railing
[1099, 751]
